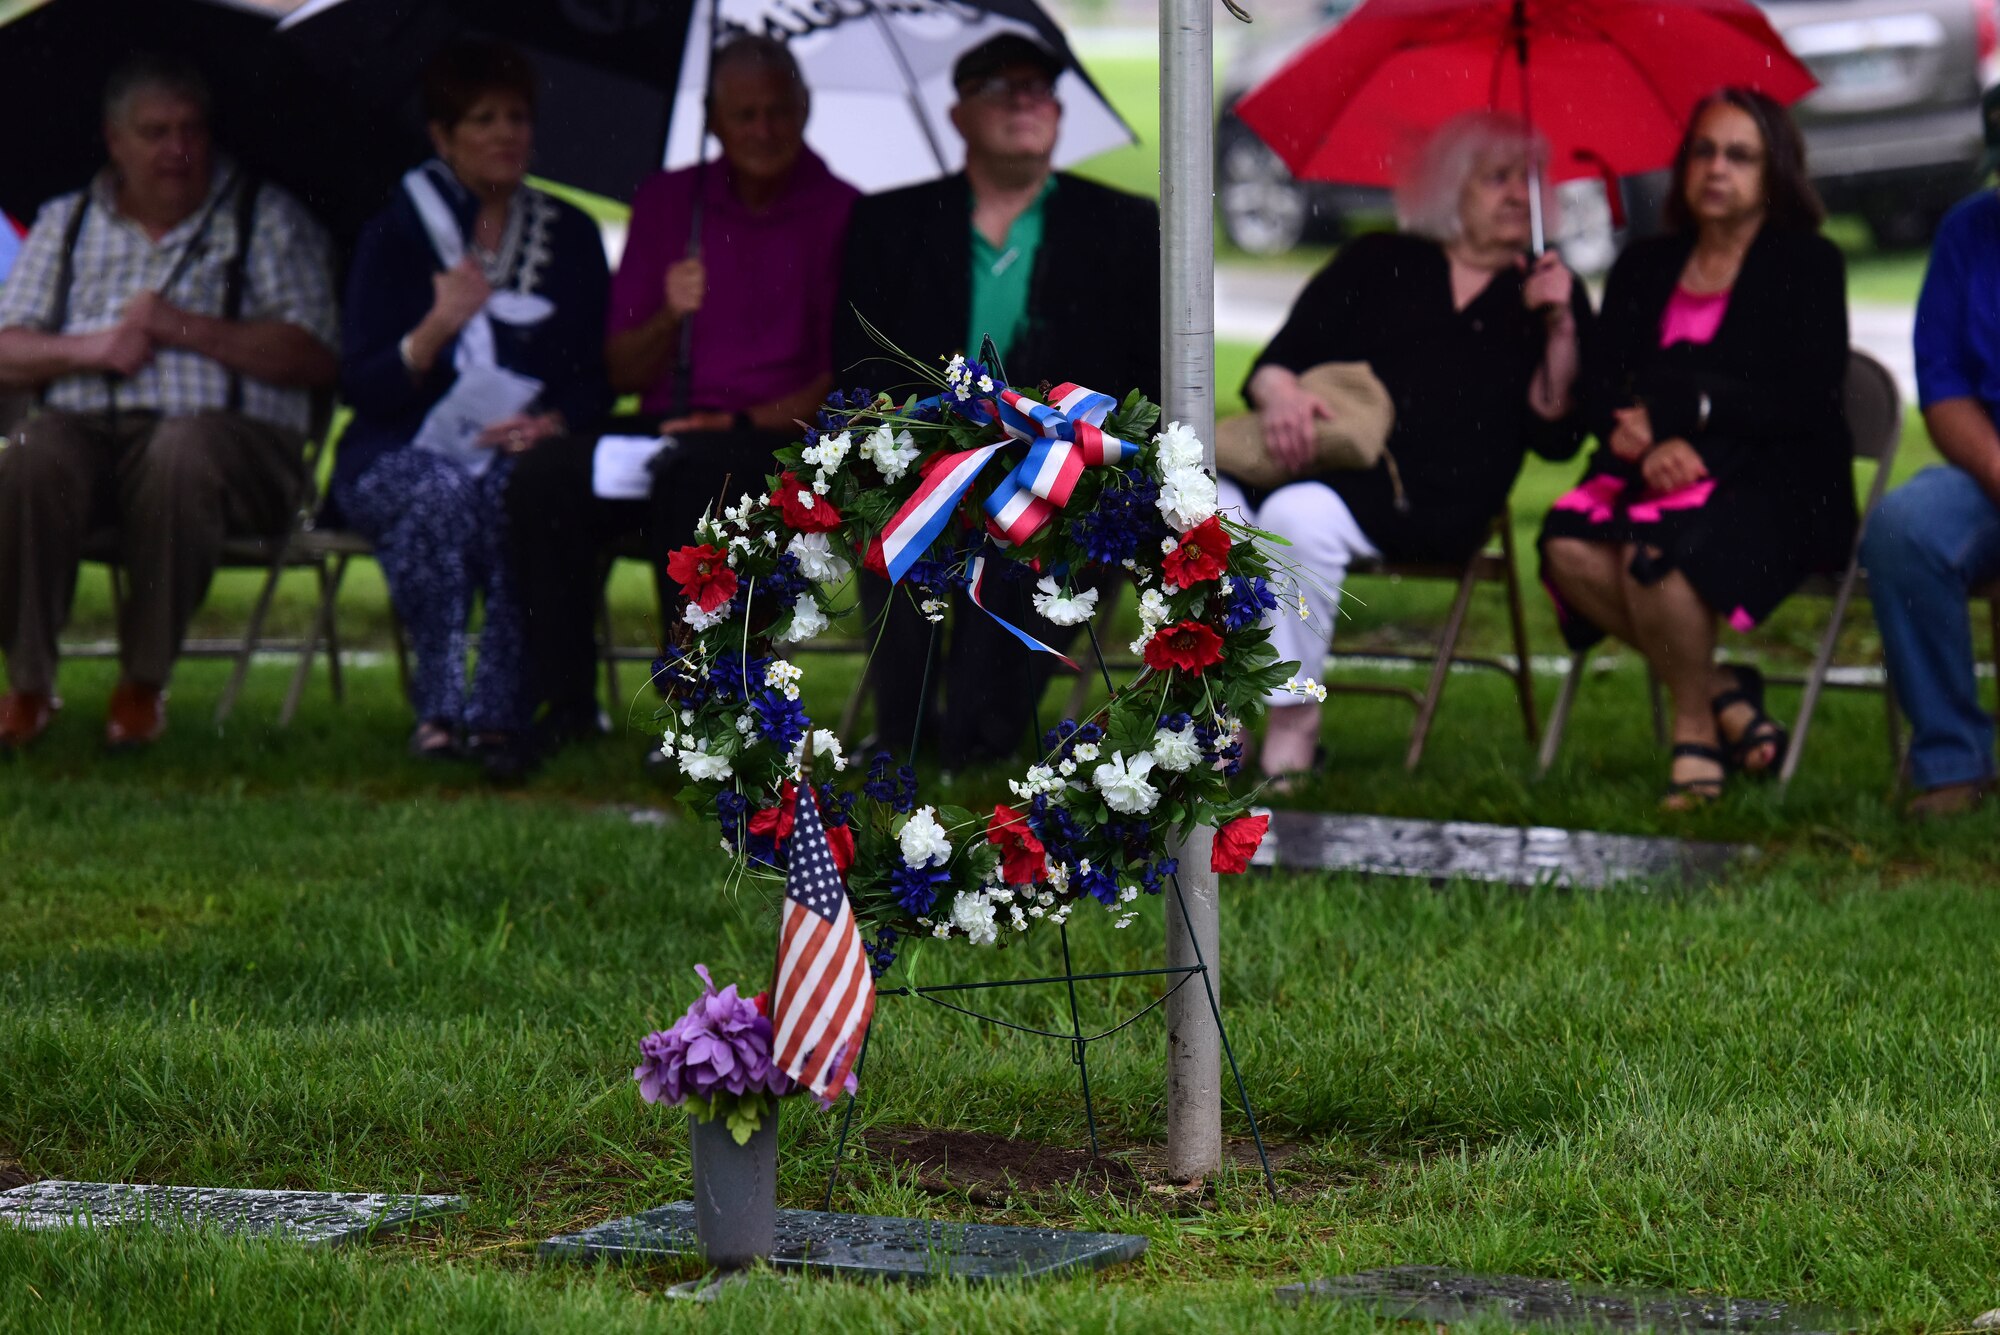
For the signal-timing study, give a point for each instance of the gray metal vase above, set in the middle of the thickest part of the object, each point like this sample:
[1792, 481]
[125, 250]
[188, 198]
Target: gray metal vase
[735, 1190]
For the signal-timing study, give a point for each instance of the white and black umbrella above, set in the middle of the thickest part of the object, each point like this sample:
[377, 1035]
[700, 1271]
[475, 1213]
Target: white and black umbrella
[623, 80]
[880, 75]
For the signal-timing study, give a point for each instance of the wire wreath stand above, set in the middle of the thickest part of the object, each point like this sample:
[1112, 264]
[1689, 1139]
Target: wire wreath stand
[1078, 1040]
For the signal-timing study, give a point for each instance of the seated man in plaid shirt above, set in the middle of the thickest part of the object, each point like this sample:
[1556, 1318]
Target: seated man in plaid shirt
[173, 319]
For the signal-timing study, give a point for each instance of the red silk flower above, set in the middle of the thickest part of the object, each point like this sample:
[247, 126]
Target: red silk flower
[1023, 860]
[1236, 843]
[1187, 645]
[1202, 555]
[819, 517]
[704, 576]
[777, 823]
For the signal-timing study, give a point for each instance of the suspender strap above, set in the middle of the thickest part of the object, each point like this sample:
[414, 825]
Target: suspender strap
[234, 276]
[66, 270]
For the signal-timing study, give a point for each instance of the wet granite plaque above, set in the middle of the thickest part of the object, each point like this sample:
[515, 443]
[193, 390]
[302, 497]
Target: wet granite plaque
[870, 1246]
[315, 1218]
[1507, 855]
[1442, 1296]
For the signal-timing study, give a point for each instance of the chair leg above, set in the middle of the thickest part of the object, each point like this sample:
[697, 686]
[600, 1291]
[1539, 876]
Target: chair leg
[302, 673]
[1524, 675]
[1816, 679]
[1559, 714]
[252, 636]
[330, 593]
[1441, 667]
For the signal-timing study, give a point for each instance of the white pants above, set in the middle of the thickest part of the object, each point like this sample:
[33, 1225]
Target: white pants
[1325, 541]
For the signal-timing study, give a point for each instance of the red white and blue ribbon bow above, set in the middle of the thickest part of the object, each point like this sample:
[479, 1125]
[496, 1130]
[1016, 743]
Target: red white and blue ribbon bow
[1063, 438]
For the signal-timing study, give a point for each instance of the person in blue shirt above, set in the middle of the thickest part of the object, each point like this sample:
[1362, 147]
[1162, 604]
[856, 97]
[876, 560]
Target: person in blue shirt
[1937, 538]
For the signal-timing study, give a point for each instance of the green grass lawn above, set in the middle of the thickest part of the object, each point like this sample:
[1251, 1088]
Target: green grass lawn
[296, 959]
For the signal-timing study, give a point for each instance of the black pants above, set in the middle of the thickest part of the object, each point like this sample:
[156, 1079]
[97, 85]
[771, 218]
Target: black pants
[563, 537]
[991, 681]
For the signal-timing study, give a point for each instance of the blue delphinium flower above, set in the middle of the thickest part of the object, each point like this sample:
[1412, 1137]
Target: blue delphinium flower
[882, 952]
[897, 791]
[1123, 518]
[1153, 875]
[916, 887]
[730, 809]
[728, 679]
[780, 722]
[1248, 600]
[1098, 883]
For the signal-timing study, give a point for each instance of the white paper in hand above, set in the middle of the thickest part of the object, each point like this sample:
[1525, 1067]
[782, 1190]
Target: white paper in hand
[620, 467]
[481, 396]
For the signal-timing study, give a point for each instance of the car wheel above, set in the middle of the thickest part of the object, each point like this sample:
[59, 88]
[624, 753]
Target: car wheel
[1264, 210]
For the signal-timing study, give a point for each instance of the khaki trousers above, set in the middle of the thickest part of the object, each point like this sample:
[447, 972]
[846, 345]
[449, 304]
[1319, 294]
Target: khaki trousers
[174, 489]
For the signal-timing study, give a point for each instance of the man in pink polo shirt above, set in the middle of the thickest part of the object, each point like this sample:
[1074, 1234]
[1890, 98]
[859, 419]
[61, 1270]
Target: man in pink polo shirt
[751, 290]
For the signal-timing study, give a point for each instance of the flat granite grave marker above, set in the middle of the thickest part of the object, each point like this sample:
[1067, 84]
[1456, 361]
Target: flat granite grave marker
[1441, 1296]
[1507, 855]
[314, 1218]
[867, 1246]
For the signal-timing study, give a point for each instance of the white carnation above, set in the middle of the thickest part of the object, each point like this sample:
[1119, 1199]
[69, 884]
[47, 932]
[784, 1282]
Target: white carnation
[700, 766]
[1123, 783]
[891, 452]
[816, 557]
[807, 621]
[1061, 608]
[1187, 498]
[923, 841]
[701, 620]
[972, 913]
[826, 750]
[1179, 448]
[1177, 749]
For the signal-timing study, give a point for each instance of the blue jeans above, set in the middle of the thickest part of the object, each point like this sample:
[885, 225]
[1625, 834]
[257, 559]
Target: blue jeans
[1929, 543]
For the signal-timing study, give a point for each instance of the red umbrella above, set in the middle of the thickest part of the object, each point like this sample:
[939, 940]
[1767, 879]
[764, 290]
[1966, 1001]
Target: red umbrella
[1610, 83]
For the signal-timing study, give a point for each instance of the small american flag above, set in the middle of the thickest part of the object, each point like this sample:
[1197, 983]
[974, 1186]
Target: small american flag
[824, 995]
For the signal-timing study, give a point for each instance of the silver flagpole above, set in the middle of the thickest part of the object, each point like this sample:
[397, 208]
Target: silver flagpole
[1187, 375]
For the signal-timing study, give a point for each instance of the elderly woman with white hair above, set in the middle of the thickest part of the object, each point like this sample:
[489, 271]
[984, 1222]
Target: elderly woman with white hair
[1477, 345]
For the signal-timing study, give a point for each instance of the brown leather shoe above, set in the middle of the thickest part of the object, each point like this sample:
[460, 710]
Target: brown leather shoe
[24, 716]
[136, 716]
[1952, 799]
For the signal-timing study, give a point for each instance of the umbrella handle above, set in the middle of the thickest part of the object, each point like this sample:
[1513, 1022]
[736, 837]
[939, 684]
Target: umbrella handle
[1537, 239]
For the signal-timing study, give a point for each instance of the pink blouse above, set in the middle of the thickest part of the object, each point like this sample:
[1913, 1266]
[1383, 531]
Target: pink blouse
[1692, 317]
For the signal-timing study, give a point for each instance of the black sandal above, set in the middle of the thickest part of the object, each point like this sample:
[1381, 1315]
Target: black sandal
[1761, 730]
[1687, 794]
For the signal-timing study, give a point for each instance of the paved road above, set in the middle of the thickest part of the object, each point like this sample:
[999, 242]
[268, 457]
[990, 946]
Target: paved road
[1251, 301]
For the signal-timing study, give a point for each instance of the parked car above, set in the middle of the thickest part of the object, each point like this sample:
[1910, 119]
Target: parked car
[1892, 133]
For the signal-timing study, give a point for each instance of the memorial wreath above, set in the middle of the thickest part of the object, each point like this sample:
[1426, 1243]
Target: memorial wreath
[983, 482]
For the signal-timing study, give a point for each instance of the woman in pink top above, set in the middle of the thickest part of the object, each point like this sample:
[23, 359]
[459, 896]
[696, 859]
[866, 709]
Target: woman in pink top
[1723, 479]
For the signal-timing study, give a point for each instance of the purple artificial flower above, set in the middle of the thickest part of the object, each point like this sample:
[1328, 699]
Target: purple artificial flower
[721, 1046]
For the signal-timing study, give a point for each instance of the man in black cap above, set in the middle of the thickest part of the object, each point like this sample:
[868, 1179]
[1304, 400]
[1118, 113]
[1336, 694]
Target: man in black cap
[1063, 274]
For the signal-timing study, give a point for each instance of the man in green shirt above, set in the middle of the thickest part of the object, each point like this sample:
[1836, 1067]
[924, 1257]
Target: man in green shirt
[1063, 274]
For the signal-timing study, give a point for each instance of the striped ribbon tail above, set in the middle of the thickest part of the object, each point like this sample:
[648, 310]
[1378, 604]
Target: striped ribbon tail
[925, 515]
[978, 591]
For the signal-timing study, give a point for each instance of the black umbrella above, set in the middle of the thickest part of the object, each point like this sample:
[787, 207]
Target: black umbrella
[273, 110]
[606, 68]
